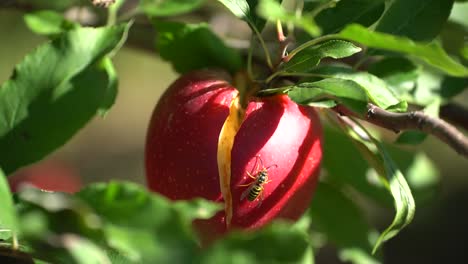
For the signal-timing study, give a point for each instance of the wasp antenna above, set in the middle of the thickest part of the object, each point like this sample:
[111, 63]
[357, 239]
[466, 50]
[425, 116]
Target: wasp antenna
[274, 165]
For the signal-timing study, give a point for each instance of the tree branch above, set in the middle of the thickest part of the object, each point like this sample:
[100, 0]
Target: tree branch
[415, 120]
[455, 114]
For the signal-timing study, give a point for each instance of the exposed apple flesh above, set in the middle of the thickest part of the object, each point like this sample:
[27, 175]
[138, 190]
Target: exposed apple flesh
[181, 150]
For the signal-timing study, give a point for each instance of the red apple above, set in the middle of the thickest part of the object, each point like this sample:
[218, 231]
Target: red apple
[48, 175]
[181, 150]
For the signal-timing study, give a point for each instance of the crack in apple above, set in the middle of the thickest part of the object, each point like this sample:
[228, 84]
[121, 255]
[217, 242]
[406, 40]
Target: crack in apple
[225, 143]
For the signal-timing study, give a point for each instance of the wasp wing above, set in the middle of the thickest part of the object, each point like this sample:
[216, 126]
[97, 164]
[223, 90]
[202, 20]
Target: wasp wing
[246, 192]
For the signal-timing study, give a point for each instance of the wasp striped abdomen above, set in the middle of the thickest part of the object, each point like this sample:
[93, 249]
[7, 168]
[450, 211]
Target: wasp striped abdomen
[254, 192]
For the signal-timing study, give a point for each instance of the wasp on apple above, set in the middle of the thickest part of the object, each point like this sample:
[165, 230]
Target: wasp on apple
[256, 187]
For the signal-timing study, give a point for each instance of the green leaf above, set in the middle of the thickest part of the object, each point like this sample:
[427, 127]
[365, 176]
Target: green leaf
[146, 227]
[132, 224]
[276, 243]
[194, 46]
[411, 138]
[84, 251]
[350, 230]
[272, 10]
[49, 23]
[453, 38]
[432, 85]
[168, 7]
[431, 53]
[309, 58]
[392, 178]
[8, 218]
[363, 12]
[399, 73]
[423, 177]
[420, 20]
[346, 92]
[459, 12]
[376, 89]
[247, 11]
[341, 150]
[54, 92]
[452, 86]
[464, 52]
[404, 201]
[53, 224]
[354, 90]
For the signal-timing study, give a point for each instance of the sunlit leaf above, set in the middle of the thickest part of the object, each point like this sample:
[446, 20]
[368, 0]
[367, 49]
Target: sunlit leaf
[54, 92]
[305, 60]
[168, 7]
[431, 53]
[48, 23]
[84, 251]
[272, 10]
[346, 92]
[256, 247]
[144, 226]
[378, 157]
[8, 218]
[354, 90]
[194, 46]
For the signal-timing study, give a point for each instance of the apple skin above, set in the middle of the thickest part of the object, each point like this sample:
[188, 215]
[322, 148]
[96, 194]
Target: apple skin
[181, 151]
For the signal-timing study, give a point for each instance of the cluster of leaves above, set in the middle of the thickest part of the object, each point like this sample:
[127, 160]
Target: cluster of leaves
[71, 78]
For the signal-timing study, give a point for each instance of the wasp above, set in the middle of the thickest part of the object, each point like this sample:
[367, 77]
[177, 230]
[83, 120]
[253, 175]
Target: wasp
[256, 187]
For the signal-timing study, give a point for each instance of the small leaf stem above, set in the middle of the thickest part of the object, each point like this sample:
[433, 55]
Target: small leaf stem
[113, 11]
[283, 42]
[323, 6]
[264, 47]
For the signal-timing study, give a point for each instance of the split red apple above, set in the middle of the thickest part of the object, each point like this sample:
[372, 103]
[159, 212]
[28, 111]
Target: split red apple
[278, 134]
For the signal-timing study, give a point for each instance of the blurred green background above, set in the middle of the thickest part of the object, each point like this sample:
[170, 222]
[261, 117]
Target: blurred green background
[113, 148]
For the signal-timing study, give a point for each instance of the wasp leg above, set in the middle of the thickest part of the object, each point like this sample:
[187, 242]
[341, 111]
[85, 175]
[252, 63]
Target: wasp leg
[246, 184]
[251, 176]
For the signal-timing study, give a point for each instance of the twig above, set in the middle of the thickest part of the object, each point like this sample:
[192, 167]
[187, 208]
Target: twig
[417, 120]
[455, 114]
